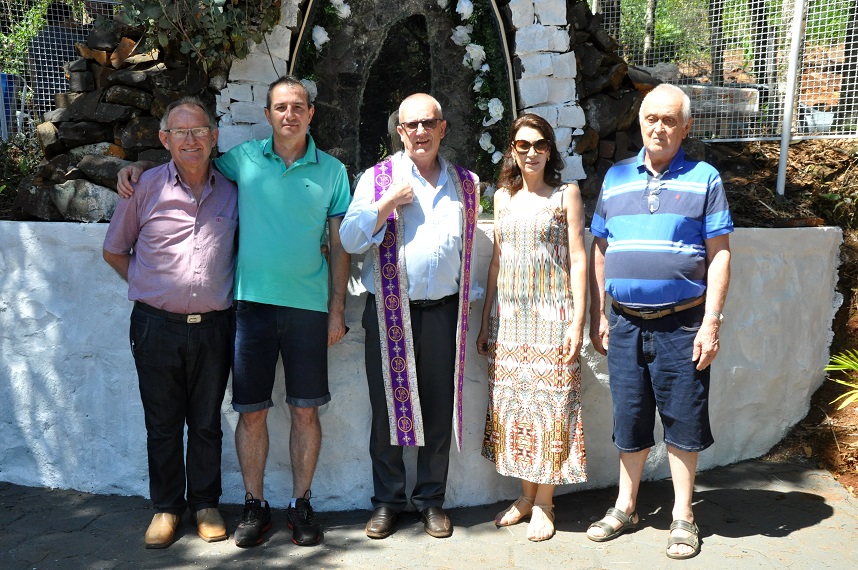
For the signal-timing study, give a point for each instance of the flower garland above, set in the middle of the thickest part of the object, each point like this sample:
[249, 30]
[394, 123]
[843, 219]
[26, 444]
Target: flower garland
[475, 57]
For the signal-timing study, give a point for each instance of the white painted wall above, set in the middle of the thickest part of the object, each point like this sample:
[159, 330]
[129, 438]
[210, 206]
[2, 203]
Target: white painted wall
[70, 415]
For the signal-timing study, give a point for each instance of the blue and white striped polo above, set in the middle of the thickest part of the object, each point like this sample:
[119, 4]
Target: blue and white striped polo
[657, 259]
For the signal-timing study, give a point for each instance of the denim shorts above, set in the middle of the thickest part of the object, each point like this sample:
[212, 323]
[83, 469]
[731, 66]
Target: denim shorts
[265, 332]
[650, 367]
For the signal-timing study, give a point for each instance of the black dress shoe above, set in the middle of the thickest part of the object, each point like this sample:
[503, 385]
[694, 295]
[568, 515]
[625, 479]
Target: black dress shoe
[381, 523]
[436, 522]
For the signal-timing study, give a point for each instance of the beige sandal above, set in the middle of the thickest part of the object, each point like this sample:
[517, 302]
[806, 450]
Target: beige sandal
[547, 512]
[511, 510]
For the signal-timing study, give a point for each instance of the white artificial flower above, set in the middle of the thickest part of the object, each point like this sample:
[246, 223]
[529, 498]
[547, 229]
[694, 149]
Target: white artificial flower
[443, 4]
[465, 8]
[311, 88]
[462, 35]
[495, 109]
[320, 37]
[490, 190]
[486, 142]
[496, 157]
[343, 9]
[478, 84]
[475, 55]
[484, 68]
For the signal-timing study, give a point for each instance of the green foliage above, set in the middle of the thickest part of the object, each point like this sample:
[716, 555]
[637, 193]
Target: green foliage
[19, 157]
[15, 43]
[212, 32]
[842, 362]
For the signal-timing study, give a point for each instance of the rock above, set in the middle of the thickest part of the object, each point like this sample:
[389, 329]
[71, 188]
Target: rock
[84, 132]
[99, 56]
[128, 96]
[63, 100]
[81, 81]
[642, 79]
[586, 142]
[84, 201]
[101, 149]
[101, 75]
[83, 108]
[102, 169]
[580, 15]
[111, 113]
[59, 169]
[138, 76]
[606, 114]
[101, 40]
[122, 52]
[190, 80]
[602, 39]
[57, 116]
[49, 139]
[142, 58]
[79, 64]
[141, 133]
[34, 200]
[591, 60]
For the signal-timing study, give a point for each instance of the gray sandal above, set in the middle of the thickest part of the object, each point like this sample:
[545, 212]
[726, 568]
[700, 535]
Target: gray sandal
[626, 524]
[693, 540]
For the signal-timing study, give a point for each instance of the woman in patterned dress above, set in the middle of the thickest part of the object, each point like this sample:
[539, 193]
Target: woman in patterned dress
[533, 327]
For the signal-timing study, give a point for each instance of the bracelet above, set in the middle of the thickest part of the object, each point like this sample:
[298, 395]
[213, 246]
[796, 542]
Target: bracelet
[717, 315]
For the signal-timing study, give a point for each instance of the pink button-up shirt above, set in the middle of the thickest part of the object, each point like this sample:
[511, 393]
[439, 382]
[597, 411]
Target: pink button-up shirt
[182, 251]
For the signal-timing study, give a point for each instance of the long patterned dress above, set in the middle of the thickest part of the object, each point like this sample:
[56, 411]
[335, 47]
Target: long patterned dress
[533, 422]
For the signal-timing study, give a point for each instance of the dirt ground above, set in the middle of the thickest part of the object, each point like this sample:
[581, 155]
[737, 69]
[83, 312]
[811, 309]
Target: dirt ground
[822, 189]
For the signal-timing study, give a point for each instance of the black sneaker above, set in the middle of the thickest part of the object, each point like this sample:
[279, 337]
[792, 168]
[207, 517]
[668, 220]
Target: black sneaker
[305, 530]
[255, 520]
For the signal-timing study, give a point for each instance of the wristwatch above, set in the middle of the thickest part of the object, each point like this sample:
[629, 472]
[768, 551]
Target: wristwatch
[717, 315]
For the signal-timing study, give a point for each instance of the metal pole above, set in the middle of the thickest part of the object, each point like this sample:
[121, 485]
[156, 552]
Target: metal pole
[789, 102]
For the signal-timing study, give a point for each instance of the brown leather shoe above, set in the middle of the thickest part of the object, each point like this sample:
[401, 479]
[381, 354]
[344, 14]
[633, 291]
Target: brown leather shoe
[161, 530]
[210, 525]
[381, 523]
[436, 522]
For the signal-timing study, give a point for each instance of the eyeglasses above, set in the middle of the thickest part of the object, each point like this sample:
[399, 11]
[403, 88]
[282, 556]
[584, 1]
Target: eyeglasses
[541, 146]
[654, 188]
[428, 124]
[197, 132]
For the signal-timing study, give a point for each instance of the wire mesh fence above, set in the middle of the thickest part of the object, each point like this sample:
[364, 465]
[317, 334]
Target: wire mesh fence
[732, 58]
[37, 38]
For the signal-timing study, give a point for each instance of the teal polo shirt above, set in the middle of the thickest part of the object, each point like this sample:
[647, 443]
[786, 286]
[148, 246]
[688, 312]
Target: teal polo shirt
[282, 221]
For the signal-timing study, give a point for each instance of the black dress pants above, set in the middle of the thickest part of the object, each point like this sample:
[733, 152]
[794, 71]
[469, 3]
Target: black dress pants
[434, 332]
[182, 371]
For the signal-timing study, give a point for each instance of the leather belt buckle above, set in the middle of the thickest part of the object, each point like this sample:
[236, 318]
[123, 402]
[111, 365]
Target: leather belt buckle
[194, 319]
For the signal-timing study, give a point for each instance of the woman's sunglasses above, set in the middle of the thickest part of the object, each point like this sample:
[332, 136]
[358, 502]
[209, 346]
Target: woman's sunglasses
[541, 146]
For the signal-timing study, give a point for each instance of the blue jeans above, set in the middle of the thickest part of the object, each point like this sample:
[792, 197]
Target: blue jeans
[182, 371]
[650, 367]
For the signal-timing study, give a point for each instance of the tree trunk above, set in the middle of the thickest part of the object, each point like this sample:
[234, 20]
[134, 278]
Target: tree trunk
[716, 41]
[649, 33]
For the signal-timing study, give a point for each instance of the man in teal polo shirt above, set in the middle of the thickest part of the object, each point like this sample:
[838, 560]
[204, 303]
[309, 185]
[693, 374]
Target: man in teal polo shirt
[289, 193]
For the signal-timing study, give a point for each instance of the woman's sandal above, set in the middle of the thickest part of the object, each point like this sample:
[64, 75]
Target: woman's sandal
[693, 540]
[547, 518]
[511, 510]
[626, 524]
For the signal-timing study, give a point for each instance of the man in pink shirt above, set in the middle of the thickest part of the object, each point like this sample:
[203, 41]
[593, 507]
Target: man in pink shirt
[174, 242]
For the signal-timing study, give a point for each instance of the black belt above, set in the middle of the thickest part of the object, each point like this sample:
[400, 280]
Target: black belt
[190, 319]
[657, 314]
[432, 303]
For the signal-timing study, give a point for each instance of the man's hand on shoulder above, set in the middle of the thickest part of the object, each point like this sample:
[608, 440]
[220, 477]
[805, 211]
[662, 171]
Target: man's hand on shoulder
[129, 175]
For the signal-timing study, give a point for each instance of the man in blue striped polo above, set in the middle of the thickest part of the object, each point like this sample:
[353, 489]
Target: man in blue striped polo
[661, 250]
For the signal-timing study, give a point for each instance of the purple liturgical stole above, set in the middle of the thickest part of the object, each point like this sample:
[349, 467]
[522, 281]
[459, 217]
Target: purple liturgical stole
[394, 316]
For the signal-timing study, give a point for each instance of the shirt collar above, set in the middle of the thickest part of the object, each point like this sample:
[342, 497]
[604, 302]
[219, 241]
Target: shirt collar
[176, 177]
[677, 163]
[311, 155]
[412, 168]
